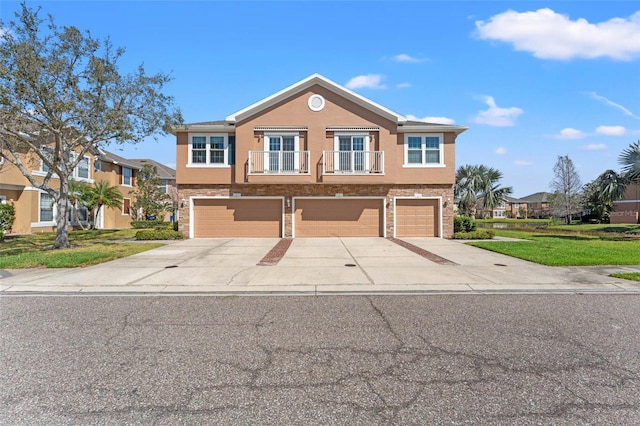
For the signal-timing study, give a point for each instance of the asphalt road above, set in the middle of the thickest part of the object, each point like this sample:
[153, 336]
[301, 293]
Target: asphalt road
[494, 359]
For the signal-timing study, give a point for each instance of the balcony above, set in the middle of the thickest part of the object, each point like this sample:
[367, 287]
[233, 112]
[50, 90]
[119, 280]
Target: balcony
[278, 162]
[353, 162]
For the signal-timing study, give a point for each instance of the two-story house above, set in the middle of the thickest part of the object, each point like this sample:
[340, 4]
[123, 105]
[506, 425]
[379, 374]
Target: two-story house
[167, 177]
[35, 209]
[316, 159]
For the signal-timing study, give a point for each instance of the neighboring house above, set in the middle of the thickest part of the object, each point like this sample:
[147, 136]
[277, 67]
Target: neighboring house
[35, 209]
[627, 210]
[168, 185]
[537, 205]
[498, 212]
[121, 173]
[316, 159]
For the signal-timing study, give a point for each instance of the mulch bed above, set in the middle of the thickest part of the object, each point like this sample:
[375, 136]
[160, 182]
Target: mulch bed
[276, 253]
[422, 252]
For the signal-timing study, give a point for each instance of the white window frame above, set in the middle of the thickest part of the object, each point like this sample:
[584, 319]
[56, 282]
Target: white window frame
[76, 170]
[130, 176]
[423, 148]
[53, 210]
[208, 163]
[282, 135]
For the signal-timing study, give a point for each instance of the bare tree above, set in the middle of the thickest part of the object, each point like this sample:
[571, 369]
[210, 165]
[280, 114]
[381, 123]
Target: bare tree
[61, 95]
[566, 187]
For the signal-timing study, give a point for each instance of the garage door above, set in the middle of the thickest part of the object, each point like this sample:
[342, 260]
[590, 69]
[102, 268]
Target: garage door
[237, 218]
[338, 218]
[417, 218]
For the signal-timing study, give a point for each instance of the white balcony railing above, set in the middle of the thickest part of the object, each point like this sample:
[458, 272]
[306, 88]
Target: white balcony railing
[353, 162]
[279, 162]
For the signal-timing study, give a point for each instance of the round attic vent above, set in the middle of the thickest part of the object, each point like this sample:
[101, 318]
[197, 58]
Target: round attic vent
[316, 102]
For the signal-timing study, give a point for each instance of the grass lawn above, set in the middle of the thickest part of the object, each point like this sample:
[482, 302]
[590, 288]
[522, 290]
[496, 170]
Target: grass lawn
[574, 245]
[634, 276]
[88, 248]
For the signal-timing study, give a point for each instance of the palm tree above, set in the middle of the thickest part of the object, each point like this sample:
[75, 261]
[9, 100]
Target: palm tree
[465, 189]
[101, 194]
[491, 192]
[475, 183]
[630, 160]
[78, 193]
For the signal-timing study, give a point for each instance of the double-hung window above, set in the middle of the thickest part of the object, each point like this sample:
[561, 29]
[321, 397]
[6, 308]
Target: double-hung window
[126, 176]
[82, 170]
[424, 150]
[46, 208]
[208, 150]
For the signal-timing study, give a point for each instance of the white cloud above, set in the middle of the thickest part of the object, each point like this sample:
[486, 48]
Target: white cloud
[595, 147]
[606, 101]
[569, 133]
[551, 35]
[523, 163]
[403, 57]
[403, 85]
[496, 116]
[501, 151]
[435, 120]
[369, 81]
[611, 130]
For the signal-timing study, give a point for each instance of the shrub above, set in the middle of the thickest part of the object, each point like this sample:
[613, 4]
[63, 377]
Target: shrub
[158, 234]
[150, 224]
[480, 234]
[7, 217]
[464, 224]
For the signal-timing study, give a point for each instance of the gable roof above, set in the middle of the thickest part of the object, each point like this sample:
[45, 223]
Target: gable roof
[304, 85]
[538, 197]
[110, 157]
[164, 171]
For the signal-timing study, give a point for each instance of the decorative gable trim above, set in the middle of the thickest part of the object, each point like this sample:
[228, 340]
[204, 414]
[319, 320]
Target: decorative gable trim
[308, 82]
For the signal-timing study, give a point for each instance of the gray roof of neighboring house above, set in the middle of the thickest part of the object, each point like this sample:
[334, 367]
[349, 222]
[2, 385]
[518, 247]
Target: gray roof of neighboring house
[110, 157]
[538, 197]
[164, 171]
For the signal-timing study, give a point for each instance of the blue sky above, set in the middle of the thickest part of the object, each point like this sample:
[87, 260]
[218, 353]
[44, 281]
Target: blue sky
[532, 80]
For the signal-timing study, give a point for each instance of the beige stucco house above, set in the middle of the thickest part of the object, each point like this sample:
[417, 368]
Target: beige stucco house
[35, 209]
[316, 159]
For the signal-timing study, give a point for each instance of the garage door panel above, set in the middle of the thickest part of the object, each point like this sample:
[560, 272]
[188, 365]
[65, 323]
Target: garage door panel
[339, 218]
[237, 218]
[416, 218]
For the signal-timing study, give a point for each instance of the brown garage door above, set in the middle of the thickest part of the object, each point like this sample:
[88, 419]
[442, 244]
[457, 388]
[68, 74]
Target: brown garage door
[338, 218]
[237, 218]
[417, 218]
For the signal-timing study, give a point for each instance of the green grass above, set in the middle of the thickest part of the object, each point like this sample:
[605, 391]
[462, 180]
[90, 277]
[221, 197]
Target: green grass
[88, 248]
[634, 276]
[582, 245]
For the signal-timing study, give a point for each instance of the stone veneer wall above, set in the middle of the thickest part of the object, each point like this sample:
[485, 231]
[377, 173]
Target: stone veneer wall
[324, 190]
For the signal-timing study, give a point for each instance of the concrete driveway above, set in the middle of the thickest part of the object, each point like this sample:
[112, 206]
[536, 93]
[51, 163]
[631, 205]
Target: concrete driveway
[316, 266]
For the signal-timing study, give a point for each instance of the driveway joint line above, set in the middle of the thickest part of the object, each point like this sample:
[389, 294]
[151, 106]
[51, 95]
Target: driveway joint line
[356, 262]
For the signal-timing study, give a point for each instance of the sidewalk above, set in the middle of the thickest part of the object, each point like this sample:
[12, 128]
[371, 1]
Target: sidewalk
[316, 266]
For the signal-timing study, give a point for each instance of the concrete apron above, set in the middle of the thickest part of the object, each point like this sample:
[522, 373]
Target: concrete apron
[314, 266]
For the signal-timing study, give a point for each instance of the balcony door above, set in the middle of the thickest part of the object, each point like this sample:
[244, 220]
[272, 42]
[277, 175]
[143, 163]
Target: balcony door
[281, 155]
[351, 153]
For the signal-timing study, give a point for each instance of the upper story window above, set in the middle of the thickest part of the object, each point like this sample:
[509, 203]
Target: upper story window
[162, 188]
[82, 170]
[424, 150]
[127, 174]
[208, 150]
